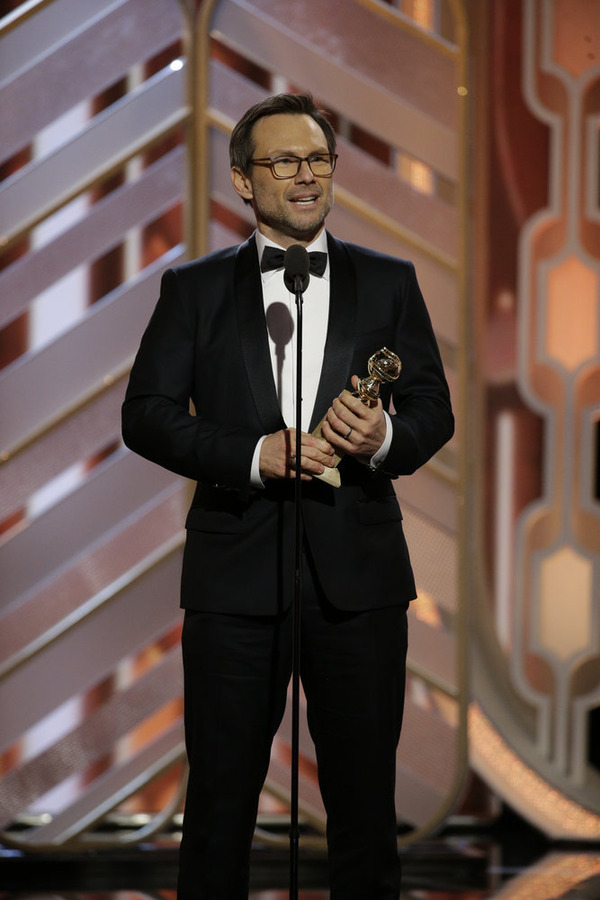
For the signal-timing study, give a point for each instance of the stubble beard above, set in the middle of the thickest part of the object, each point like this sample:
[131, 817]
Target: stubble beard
[282, 220]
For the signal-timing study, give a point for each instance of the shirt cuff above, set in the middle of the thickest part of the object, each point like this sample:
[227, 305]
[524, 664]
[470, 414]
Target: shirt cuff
[379, 457]
[255, 479]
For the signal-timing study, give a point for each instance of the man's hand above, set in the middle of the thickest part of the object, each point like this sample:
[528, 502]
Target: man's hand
[353, 427]
[278, 455]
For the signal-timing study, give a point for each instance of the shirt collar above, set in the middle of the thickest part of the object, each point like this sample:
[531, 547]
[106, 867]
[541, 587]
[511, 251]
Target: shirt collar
[320, 243]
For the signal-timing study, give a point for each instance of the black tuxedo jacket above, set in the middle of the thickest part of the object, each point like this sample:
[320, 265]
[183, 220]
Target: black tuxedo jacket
[207, 342]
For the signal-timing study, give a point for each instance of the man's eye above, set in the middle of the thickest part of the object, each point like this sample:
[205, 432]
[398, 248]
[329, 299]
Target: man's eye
[286, 160]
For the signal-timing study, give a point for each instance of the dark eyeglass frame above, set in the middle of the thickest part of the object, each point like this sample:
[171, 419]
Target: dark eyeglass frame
[271, 161]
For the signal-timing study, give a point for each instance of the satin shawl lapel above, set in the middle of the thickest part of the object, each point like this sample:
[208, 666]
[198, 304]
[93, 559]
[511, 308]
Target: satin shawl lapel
[341, 329]
[253, 336]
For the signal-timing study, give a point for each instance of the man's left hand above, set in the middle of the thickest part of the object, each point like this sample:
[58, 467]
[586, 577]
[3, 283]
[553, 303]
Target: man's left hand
[353, 427]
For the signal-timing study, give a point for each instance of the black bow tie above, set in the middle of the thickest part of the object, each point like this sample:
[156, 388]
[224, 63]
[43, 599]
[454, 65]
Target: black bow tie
[273, 258]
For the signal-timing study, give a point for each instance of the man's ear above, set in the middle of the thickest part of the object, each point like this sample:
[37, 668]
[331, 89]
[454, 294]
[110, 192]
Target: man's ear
[241, 184]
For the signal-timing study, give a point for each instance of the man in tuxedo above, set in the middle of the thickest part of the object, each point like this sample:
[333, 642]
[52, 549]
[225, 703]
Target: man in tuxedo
[222, 336]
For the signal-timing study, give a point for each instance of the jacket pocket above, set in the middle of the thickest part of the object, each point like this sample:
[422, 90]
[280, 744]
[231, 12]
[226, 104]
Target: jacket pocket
[371, 512]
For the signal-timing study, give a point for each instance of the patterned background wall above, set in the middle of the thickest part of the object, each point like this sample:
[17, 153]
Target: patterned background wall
[395, 190]
[537, 509]
[93, 106]
[113, 156]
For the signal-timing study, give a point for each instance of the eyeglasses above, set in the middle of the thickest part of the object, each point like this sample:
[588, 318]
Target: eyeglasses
[320, 164]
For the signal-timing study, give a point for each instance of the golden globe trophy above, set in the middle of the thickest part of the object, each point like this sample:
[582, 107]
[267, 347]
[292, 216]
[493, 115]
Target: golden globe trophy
[384, 366]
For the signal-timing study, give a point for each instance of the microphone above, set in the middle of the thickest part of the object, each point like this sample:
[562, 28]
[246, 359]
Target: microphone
[296, 268]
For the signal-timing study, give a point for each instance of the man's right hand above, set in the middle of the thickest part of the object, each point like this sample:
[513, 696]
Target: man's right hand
[278, 455]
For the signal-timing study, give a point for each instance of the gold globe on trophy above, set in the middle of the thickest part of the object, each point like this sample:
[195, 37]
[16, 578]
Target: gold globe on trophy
[383, 366]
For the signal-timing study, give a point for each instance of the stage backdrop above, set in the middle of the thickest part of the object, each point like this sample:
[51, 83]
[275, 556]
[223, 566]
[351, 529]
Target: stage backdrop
[468, 136]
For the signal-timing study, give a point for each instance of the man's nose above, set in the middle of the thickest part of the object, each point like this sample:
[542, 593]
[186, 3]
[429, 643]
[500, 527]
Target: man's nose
[305, 172]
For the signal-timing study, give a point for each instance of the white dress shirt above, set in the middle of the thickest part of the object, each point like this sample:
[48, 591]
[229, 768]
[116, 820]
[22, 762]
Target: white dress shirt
[281, 317]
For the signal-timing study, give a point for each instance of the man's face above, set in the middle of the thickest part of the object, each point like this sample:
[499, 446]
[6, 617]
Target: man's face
[290, 210]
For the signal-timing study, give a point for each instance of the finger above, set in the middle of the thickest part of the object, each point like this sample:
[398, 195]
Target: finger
[354, 405]
[293, 473]
[343, 421]
[350, 412]
[339, 435]
[322, 453]
[356, 402]
[312, 460]
[338, 417]
[311, 445]
[312, 466]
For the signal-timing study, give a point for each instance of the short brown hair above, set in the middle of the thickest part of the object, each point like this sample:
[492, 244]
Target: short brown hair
[241, 145]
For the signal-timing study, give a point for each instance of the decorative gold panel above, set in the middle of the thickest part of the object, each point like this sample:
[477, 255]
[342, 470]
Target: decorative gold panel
[400, 188]
[538, 641]
[98, 150]
[91, 173]
[506, 517]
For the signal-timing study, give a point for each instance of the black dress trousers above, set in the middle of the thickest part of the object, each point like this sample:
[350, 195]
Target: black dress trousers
[237, 671]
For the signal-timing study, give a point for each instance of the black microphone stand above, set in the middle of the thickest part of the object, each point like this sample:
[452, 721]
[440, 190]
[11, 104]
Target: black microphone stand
[300, 281]
[297, 604]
